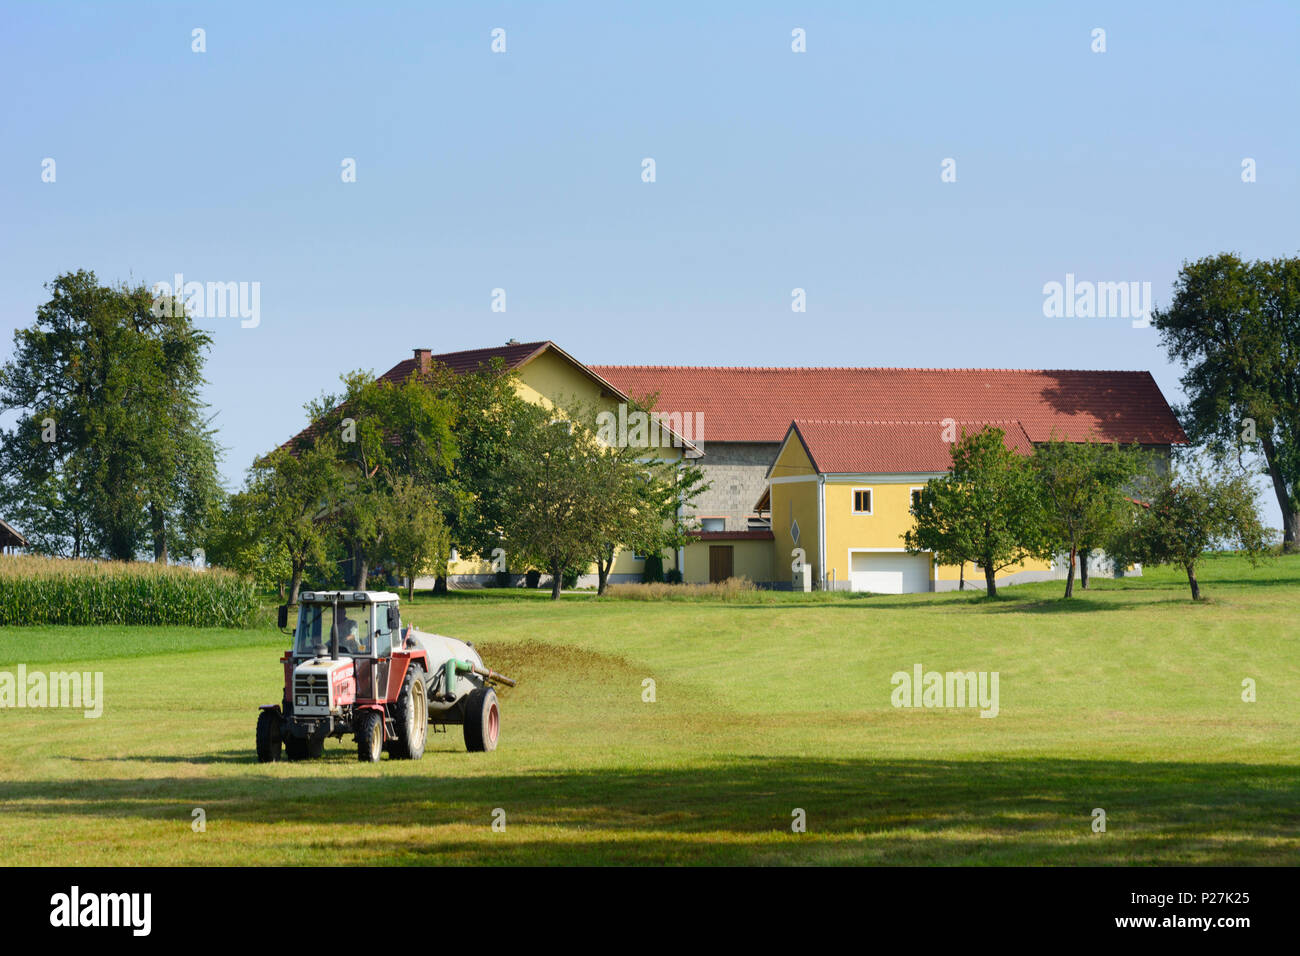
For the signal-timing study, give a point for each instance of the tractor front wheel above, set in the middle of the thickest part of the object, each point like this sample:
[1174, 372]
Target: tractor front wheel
[268, 737]
[482, 720]
[370, 737]
[411, 715]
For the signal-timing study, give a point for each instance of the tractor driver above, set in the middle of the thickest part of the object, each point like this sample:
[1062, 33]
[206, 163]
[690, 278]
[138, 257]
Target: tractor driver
[353, 640]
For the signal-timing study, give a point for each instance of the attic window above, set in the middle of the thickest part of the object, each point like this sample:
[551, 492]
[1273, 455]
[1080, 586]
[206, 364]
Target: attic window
[862, 501]
[713, 524]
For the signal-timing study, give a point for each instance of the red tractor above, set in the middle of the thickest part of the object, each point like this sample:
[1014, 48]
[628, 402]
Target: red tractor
[352, 669]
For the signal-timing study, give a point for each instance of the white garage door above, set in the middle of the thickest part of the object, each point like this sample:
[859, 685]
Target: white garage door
[890, 572]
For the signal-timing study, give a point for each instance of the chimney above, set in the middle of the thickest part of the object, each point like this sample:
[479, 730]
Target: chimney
[422, 357]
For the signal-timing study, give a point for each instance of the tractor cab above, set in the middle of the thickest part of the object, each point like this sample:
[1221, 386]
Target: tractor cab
[348, 635]
[357, 624]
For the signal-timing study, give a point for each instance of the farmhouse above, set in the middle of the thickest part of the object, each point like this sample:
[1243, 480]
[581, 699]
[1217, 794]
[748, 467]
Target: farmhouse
[819, 465]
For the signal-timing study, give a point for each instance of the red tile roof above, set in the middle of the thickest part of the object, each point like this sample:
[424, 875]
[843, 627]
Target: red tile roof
[470, 360]
[758, 404]
[837, 447]
[512, 356]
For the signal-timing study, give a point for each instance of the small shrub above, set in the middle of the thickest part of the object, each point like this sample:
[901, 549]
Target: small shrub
[533, 578]
[673, 577]
[653, 572]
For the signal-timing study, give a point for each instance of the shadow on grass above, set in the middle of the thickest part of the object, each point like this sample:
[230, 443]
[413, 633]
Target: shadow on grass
[737, 811]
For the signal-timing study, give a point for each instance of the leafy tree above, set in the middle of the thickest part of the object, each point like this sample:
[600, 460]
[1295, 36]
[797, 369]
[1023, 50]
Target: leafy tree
[381, 432]
[236, 540]
[1081, 500]
[942, 526]
[486, 409]
[415, 535]
[1182, 516]
[986, 507]
[111, 450]
[1235, 327]
[280, 515]
[551, 476]
[645, 502]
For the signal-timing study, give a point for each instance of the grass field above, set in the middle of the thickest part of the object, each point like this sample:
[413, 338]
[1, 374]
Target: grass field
[1126, 698]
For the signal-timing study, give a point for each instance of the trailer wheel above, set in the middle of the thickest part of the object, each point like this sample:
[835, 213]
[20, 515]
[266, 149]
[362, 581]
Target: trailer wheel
[370, 737]
[482, 720]
[268, 736]
[411, 715]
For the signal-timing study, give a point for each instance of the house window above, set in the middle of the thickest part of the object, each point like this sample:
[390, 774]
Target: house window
[916, 497]
[713, 524]
[862, 501]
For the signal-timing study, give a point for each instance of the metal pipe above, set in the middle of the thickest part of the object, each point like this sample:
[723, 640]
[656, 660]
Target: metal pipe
[449, 670]
[489, 674]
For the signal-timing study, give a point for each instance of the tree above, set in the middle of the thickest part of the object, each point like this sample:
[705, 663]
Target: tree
[986, 508]
[111, 451]
[552, 475]
[381, 432]
[281, 514]
[1181, 517]
[643, 506]
[415, 536]
[486, 409]
[942, 526]
[1080, 497]
[1235, 327]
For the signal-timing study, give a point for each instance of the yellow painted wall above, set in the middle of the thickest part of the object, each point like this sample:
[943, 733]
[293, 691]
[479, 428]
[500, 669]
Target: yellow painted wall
[550, 379]
[749, 559]
[797, 501]
[792, 460]
[884, 527]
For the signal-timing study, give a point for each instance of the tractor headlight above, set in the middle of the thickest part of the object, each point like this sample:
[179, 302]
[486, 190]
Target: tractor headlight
[322, 701]
[301, 700]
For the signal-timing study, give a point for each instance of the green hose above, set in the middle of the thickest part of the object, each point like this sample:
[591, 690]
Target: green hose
[449, 671]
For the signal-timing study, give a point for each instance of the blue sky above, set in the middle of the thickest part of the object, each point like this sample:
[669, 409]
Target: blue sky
[774, 170]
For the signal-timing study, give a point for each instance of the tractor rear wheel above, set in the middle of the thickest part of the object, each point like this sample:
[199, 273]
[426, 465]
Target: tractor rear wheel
[268, 736]
[411, 715]
[482, 720]
[370, 737]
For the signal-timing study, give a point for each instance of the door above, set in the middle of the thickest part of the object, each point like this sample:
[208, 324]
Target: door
[889, 572]
[720, 562]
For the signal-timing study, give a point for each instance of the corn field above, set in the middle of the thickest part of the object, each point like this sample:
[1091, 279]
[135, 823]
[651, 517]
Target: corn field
[37, 590]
